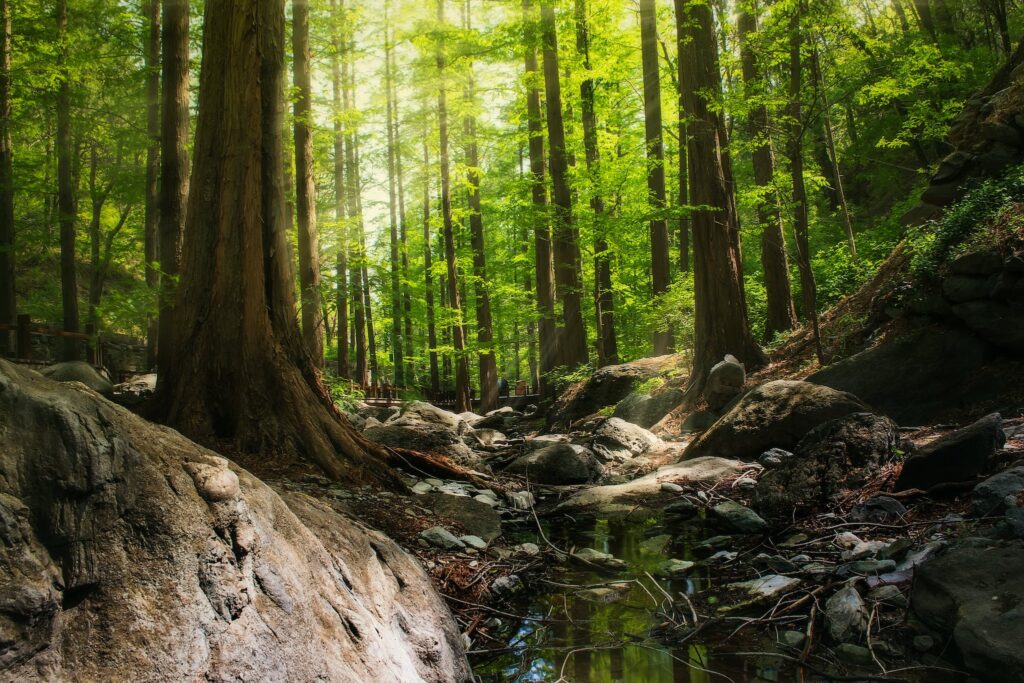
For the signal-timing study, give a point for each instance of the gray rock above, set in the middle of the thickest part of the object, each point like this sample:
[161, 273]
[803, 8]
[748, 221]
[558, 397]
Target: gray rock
[507, 585]
[478, 518]
[558, 464]
[998, 323]
[793, 639]
[889, 594]
[773, 457]
[135, 390]
[528, 549]
[774, 414]
[958, 289]
[669, 487]
[871, 566]
[423, 437]
[959, 456]
[474, 542]
[699, 421]
[80, 371]
[990, 495]
[854, 654]
[520, 500]
[846, 618]
[770, 586]
[684, 509]
[439, 537]
[672, 568]
[725, 382]
[617, 439]
[924, 643]
[739, 518]
[486, 500]
[647, 408]
[592, 556]
[879, 510]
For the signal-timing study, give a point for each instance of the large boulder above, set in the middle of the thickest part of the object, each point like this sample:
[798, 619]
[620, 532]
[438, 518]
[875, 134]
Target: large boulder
[424, 439]
[959, 456]
[616, 439]
[838, 454]
[646, 406]
[774, 414]
[974, 596]
[422, 415]
[80, 371]
[558, 464]
[128, 552]
[725, 382]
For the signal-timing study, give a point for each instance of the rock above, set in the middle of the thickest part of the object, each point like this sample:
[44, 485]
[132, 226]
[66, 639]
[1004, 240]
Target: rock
[474, 542]
[961, 288]
[889, 594]
[836, 455]
[596, 557]
[683, 509]
[135, 390]
[770, 586]
[119, 564]
[870, 566]
[672, 569]
[923, 643]
[379, 413]
[527, 549]
[792, 639]
[498, 419]
[698, 421]
[507, 585]
[973, 595]
[998, 323]
[80, 371]
[422, 487]
[617, 439]
[487, 500]
[605, 594]
[419, 413]
[854, 654]
[558, 464]
[773, 457]
[439, 537]
[479, 519]
[487, 437]
[846, 618]
[959, 456]
[656, 544]
[422, 437]
[669, 487]
[521, 500]
[470, 418]
[739, 518]
[646, 408]
[920, 555]
[878, 510]
[725, 382]
[774, 562]
[774, 414]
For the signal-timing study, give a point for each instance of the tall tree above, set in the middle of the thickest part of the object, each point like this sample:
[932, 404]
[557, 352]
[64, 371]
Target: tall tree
[781, 315]
[308, 242]
[721, 324]
[174, 179]
[682, 190]
[604, 301]
[355, 216]
[658, 225]
[484, 323]
[66, 205]
[572, 336]
[403, 225]
[396, 277]
[435, 379]
[151, 230]
[341, 259]
[239, 371]
[8, 304]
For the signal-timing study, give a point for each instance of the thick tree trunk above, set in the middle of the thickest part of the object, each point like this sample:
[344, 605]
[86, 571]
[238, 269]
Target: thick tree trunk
[435, 379]
[151, 229]
[572, 336]
[174, 180]
[8, 304]
[781, 315]
[683, 184]
[355, 215]
[655, 163]
[544, 264]
[604, 301]
[462, 398]
[308, 241]
[239, 372]
[65, 188]
[341, 259]
[403, 236]
[396, 292]
[721, 325]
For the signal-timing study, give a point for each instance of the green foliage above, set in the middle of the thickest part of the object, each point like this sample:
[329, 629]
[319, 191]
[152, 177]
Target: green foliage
[563, 377]
[345, 396]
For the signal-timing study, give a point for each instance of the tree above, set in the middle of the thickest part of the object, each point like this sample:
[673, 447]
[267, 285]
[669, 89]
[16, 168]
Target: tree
[781, 315]
[66, 205]
[721, 324]
[572, 336]
[435, 379]
[152, 217]
[239, 372]
[341, 259]
[308, 242]
[396, 276]
[683, 186]
[655, 163]
[8, 304]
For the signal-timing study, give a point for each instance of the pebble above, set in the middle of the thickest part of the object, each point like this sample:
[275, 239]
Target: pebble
[923, 643]
[507, 585]
[593, 556]
[888, 594]
[529, 549]
[671, 488]
[768, 586]
[442, 538]
[794, 639]
[422, 487]
[854, 654]
[673, 568]
[745, 483]
[474, 541]
[871, 566]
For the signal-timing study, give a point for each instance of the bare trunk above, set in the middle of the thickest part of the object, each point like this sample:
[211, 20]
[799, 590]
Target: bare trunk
[65, 187]
[341, 259]
[8, 304]
[683, 185]
[396, 293]
[151, 229]
[435, 379]
[362, 374]
[403, 236]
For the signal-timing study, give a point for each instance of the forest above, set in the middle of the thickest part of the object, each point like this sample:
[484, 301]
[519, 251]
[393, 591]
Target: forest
[575, 340]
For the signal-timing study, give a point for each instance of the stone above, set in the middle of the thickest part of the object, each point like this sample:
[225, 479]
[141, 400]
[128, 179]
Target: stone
[605, 594]
[699, 421]
[80, 371]
[616, 439]
[647, 408]
[119, 565]
[923, 643]
[723, 556]
[136, 390]
[439, 537]
[672, 568]
[474, 542]
[486, 500]
[973, 595]
[846, 617]
[725, 382]
[889, 594]
[487, 437]
[770, 586]
[871, 566]
[423, 437]
[959, 456]
[854, 654]
[774, 414]
[507, 585]
[558, 464]
[656, 544]
[716, 542]
[528, 549]
[773, 457]
[501, 418]
[878, 510]
[996, 322]
[520, 500]
[990, 496]
[774, 562]
[683, 509]
[739, 518]
[422, 487]
[596, 557]
[792, 639]
[671, 487]
[479, 519]
[920, 555]
[958, 289]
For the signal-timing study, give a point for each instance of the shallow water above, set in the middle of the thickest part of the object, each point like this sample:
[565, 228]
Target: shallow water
[588, 641]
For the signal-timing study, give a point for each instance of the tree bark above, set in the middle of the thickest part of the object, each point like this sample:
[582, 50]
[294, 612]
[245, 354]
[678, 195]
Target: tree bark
[174, 179]
[240, 373]
[8, 303]
[571, 337]
[352, 177]
[544, 265]
[403, 236]
[781, 315]
[151, 229]
[435, 379]
[604, 301]
[308, 240]
[396, 293]
[683, 184]
[721, 324]
[341, 259]
[65, 188]
[655, 163]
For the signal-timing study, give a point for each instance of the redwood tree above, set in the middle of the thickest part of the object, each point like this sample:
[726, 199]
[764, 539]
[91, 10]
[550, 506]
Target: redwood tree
[8, 309]
[151, 231]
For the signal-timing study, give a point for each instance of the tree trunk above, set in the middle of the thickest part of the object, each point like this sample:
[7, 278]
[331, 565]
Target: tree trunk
[721, 324]
[572, 337]
[808, 286]
[403, 236]
[151, 230]
[544, 264]
[308, 241]
[8, 304]
[396, 292]
[683, 188]
[435, 379]
[65, 187]
[355, 216]
[781, 315]
[462, 399]
[607, 350]
[655, 163]
[174, 180]
[341, 270]
[239, 372]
